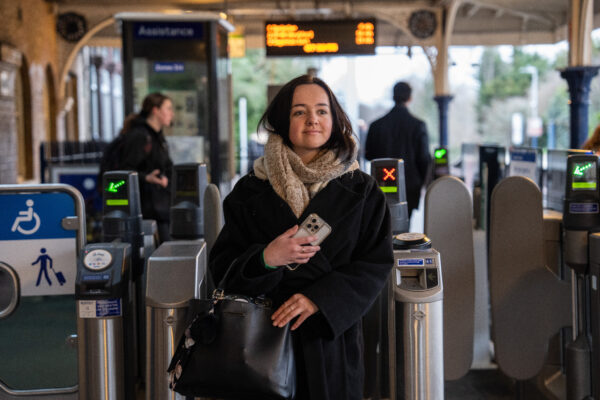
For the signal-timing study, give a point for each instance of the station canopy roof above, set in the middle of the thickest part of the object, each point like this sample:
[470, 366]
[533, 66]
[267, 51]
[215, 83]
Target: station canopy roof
[477, 22]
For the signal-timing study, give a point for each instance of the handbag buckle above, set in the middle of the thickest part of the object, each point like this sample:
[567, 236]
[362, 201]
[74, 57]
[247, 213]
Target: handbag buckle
[218, 294]
[263, 301]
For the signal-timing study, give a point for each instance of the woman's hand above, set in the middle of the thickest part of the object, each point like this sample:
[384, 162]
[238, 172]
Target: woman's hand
[296, 306]
[285, 249]
[156, 178]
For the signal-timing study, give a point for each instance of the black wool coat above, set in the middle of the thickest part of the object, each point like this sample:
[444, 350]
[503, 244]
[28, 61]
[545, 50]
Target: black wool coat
[343, 279]
[399, 134]
[145, 150]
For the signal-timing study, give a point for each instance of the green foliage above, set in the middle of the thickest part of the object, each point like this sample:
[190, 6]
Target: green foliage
[499, 79]
[561, 61]
[503, 84]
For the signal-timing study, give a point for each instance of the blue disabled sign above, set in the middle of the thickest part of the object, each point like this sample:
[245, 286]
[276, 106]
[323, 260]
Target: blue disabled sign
[34, 243]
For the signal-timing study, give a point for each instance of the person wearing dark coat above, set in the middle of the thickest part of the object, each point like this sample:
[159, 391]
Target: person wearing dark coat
[145, 150]
[309, 166]
[399, 134]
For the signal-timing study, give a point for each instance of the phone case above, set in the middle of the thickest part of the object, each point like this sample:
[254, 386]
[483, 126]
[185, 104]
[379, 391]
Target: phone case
[314, 225]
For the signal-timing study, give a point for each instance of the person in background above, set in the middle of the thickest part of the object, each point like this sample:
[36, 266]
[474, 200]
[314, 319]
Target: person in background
[593, 142]
[399, 134]
[322, 290]
[144, 149]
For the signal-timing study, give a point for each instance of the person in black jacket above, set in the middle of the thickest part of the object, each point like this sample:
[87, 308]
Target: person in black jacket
[144, 149]
[309, 166]
[399, 134]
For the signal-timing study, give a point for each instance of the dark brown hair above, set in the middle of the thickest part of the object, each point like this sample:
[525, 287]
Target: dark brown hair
[593, 142]
[150, 101]
[276, 119]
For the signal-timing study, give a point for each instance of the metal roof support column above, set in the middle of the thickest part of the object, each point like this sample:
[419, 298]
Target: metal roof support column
[440, 68]
[442, 102]
[578, 75]
[579, 79]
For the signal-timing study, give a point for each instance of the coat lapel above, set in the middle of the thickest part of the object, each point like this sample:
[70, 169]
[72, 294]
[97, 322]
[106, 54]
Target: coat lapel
[334, 203]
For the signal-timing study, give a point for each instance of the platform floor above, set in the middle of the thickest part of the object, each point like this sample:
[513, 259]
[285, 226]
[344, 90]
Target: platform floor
[481, 384]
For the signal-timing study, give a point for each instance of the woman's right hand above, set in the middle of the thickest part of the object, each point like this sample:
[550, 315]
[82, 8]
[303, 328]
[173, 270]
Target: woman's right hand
[156, 178]
[285, 249]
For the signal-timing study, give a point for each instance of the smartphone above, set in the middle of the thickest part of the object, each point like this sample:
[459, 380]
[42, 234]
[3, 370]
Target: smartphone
[314, 225]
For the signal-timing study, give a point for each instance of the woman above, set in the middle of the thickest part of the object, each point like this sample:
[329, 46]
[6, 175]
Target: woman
[145, 150]
[309, 167]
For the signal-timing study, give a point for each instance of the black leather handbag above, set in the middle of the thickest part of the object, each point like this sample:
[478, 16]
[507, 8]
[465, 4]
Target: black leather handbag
[231, 350]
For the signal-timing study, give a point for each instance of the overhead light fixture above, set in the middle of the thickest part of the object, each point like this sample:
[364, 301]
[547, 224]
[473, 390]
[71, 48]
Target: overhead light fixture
[172, 12]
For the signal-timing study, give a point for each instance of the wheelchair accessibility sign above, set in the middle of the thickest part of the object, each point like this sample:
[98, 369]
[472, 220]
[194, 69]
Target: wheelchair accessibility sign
[34, 243]
[26, 217]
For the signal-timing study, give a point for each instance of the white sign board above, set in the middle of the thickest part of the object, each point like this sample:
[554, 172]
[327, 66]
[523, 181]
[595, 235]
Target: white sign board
[535, 127]
[523, 162]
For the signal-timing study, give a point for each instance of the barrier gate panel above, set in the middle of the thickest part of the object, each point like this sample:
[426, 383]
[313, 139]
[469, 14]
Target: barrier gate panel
[529, 302]
[40, 234]
[448, 223]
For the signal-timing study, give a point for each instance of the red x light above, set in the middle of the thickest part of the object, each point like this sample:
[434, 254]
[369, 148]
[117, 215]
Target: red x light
[389, 174]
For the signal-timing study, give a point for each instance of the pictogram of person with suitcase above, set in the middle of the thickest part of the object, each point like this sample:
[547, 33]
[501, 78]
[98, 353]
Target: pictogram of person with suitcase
[43, 259]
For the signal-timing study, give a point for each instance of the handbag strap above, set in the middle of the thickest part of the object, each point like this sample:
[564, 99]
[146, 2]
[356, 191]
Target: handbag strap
[219, 291]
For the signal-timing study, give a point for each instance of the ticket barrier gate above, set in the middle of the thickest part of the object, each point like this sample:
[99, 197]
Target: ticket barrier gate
[35, 217]
[581, 219]
[416, 283]
[105, 309]
[177, 272]
[491, 171]
[122, 225]
[530, 303]
[9, 290]
[594, 239]
[449, 224]
[389, 175]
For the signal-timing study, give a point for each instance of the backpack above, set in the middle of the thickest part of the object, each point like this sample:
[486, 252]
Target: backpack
[111, 158]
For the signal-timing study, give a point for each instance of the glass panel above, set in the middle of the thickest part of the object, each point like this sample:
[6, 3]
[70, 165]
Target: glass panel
[185, 82]
[34, 349]
[226, 141]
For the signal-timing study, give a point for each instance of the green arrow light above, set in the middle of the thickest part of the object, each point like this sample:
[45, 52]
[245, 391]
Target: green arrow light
[113, 187]
[440, 153]
[580, 169]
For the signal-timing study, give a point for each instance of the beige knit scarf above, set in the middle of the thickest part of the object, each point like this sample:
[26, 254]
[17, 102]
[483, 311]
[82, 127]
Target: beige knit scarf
[292, 180]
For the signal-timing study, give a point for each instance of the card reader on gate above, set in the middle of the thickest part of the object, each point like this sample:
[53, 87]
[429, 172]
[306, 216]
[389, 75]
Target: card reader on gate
[103, 270]
[417, 273]
[415, 320]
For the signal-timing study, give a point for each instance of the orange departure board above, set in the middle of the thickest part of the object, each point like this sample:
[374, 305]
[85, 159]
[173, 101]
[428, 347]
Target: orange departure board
[322, 37]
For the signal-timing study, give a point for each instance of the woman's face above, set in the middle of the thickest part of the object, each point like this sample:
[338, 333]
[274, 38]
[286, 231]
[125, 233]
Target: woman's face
[310, 120]
[164, 113]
